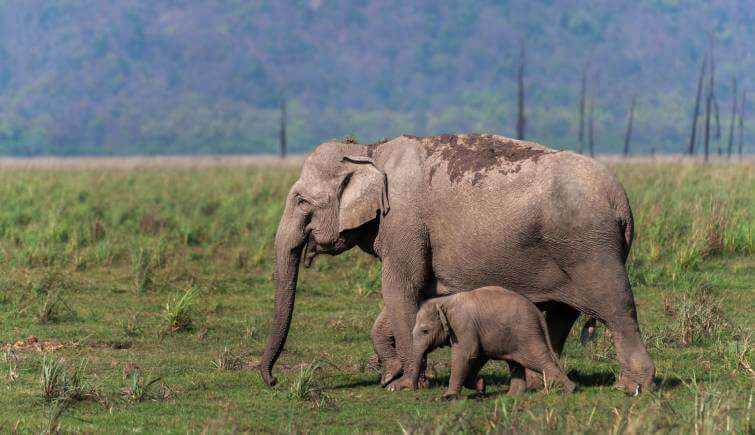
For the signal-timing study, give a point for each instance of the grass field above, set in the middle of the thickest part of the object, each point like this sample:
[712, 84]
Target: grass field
[149, 294]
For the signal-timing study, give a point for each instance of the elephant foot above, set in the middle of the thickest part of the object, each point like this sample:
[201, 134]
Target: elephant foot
[634, 387]
[534, 381]
[480, 386]
[402, 383]
[450, 395]
[637, 376]
[391, 371]
[569, 386]
[517, 387]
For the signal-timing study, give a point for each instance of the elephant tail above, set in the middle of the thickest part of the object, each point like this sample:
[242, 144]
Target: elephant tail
[624, 220]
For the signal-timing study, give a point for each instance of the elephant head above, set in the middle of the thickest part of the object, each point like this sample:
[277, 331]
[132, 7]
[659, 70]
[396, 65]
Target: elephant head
[340, 190]
[431, 330]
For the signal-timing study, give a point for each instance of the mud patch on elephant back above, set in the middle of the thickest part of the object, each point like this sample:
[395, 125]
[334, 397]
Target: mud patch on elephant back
[371, 147]
[477, 155]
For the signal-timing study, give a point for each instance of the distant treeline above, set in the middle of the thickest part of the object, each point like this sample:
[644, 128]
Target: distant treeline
[188, 76]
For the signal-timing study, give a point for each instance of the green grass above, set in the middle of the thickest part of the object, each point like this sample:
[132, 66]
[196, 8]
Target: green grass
[92, 257]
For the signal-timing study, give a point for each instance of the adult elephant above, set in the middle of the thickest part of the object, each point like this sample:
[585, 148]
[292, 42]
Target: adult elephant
[452, 213]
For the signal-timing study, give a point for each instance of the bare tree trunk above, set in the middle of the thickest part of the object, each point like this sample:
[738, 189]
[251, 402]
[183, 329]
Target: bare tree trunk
[733, 117]
[718, 123]
[628, 135]
[741, 121]
[708, 105]
[696, 113]
[282, 145]
[520, 119]
[582, 103]
[591, 125]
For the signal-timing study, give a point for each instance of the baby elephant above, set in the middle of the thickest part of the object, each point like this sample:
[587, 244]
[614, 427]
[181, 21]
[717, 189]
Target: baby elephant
[486, 323]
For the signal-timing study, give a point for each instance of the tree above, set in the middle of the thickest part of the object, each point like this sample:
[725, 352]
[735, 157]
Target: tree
[282, 137]
[628, 135]
[741, 121]
[696, 112]
[709, 103]
[718, 122]
[733, 116]
[591, 122]
[520, 119]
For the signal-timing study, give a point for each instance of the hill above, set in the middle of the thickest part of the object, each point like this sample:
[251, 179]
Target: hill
[113, 77]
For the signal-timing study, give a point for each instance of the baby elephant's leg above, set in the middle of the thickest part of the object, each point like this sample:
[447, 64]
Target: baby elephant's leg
[461, 363]
[552, 372]
[544, 363]
[474, 380]
[518, 381]
[382, 342]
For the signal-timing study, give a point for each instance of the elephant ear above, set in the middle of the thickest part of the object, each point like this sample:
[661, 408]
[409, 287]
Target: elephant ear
[444, 322]
[364, 194]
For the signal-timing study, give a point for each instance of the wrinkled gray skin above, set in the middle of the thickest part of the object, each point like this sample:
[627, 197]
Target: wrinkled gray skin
[484, 324]
[446, 214]
[383, 343]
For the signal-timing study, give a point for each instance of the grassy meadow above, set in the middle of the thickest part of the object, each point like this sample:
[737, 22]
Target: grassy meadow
[149, 294]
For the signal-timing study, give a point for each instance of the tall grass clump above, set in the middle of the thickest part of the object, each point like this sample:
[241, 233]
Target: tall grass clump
[48, 290]
[306, 387]
[695, 316]
[139, 389]
[178, 312]
[142, 268]
[228, 360]
[60, 383]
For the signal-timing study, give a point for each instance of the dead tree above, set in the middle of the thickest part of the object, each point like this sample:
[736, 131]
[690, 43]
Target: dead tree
[709, 104]
[591, 121]
[718, 123]
[582, 102]
[741, 121]
[733, 116]
[520, 119]
[282, 136]
[696, 112]
[628, 135]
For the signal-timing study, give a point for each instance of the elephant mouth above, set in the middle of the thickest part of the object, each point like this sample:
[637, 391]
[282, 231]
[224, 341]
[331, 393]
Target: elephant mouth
[312, 249]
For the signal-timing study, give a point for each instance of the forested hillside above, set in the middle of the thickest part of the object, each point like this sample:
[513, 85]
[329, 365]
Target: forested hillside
[190, 76]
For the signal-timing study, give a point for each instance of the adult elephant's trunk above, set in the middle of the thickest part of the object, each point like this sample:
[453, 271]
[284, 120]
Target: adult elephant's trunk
[289, 242]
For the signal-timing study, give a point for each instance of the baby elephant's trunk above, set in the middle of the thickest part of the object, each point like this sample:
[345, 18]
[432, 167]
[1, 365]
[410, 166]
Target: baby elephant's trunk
[419, 355]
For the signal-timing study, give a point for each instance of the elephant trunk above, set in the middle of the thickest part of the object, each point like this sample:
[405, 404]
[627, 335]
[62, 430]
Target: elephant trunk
[419, 356]
[289, 242]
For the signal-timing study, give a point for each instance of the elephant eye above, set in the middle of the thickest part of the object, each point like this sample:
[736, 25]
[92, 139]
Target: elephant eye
[425, 331]
[303, 202]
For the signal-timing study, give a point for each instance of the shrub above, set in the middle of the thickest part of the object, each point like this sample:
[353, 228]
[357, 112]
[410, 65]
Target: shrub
[306, 387]
[178, 313]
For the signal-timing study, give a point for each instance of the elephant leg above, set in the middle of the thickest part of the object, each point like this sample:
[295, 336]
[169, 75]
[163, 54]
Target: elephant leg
[461, 367]
[474, 381]
[383, 343]
[551, 372]
[402, 281]
[539, 361]
[559, 318]
[518, 384]
[608, 296]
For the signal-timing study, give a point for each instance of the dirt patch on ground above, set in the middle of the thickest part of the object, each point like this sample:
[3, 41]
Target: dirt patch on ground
[478, 154]
[33, 343]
